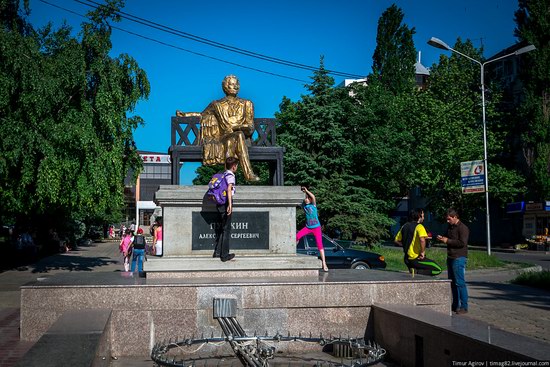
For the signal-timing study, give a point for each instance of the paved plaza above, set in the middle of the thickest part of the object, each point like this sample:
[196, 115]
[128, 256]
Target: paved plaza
[517, 309]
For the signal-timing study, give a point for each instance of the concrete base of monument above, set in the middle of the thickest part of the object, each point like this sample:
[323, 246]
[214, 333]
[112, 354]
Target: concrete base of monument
[145, 311]
[263, 220]
[263, 234]
[241, 266]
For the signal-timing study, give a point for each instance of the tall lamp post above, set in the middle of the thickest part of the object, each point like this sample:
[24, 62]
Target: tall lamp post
[436, 42]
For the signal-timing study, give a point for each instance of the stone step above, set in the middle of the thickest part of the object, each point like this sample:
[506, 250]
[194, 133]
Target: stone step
[264, 265]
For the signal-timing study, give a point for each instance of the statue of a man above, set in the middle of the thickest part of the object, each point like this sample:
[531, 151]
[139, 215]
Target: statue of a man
[226, 127]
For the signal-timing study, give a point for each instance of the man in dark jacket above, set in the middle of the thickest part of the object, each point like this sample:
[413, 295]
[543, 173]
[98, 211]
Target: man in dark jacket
[457, 257]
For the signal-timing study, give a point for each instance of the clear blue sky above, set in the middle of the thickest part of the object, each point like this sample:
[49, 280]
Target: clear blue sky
[344, 32]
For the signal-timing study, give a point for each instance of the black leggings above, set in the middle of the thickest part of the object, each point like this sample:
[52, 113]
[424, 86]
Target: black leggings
[425, 266]
[223, 231]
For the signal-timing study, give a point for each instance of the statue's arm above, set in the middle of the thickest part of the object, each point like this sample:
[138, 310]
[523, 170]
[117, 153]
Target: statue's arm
[248, 123]
[186, 114]
[249, 112]
[209, 127]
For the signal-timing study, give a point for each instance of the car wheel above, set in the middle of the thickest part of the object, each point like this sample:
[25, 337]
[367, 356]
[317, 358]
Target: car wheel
[360, 265]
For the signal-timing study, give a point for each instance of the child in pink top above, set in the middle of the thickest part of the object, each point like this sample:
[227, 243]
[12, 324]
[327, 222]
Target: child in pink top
[125, 248]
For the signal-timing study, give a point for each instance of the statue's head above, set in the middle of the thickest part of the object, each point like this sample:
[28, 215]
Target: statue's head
[231, 85]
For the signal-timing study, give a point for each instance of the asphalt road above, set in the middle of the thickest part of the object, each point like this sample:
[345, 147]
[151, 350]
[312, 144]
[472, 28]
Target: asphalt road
[540, 258]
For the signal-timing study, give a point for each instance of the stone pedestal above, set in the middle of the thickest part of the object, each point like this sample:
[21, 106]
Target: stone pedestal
[263, 233]
[145, 311]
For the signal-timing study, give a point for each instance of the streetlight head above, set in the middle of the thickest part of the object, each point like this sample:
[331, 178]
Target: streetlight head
[437, 43]
[525, 49]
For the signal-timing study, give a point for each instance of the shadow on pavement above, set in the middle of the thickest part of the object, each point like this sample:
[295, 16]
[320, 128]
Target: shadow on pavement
[528, 296]
[70, 263]
[87, 257]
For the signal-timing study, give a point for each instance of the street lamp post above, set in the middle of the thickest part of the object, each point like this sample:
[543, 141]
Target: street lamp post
[436, 42]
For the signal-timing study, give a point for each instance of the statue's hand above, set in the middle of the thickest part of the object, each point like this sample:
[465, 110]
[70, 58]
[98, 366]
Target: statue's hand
[186, 114]
[249, 131]
[246, 129]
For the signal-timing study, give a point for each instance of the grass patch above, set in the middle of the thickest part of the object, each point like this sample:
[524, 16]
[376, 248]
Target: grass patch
[537, 279]
[476, 259]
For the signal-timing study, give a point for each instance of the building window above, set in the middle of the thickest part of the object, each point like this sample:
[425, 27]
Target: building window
[145, 217]
[156, 171]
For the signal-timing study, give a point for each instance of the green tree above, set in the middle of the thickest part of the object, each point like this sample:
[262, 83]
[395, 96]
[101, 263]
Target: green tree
[312, 132]
[447, 125]
[315, 133]
[395, 55]
[65, 134]
[533, 27]
[382, 145]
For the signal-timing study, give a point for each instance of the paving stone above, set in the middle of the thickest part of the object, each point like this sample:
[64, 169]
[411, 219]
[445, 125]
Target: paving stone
[518, 309]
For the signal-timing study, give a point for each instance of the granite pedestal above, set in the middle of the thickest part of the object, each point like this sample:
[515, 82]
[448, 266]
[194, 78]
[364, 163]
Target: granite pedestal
[262, 237]
[146, 311]
[415, 336]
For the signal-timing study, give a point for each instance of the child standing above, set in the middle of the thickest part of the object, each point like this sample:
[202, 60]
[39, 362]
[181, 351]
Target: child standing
[313, 226]
[139, 245]
[125, 248]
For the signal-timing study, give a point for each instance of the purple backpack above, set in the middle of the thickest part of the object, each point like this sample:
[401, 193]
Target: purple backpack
[217, 188]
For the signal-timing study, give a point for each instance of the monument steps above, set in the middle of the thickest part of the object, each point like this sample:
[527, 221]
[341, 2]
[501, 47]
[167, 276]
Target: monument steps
[241, 265]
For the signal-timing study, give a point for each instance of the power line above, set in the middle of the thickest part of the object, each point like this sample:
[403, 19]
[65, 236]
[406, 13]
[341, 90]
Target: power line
[209, 42]
[181, 48]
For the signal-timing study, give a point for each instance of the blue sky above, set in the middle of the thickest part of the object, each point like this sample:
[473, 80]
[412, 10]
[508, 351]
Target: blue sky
[344, 32]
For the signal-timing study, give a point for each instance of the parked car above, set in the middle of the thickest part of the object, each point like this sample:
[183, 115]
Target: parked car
[338, 257]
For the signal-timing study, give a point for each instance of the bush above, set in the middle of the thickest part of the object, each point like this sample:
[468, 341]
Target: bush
[537, 279]
[476, 259]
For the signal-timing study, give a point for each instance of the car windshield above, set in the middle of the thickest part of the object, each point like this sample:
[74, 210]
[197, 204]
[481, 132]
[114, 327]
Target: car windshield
[345, 243]
[327, 243]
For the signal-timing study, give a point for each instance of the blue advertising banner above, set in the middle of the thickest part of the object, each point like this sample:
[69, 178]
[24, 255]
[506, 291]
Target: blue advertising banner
[472, 177]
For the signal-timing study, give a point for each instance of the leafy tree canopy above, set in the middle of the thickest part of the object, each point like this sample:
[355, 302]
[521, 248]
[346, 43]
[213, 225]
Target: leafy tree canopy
[65, 134]
[533, 116]
[315, 132]
[446, 119]
[395, 55]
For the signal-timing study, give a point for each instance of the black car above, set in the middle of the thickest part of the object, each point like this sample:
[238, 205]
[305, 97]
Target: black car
[338, 257]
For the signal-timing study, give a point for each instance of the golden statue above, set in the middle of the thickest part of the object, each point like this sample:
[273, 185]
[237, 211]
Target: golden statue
[227, 125]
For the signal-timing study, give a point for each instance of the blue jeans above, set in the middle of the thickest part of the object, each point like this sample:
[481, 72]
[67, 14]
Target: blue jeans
[138, 256]
[456, 268]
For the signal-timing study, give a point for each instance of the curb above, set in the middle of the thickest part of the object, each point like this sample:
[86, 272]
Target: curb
[531, 269]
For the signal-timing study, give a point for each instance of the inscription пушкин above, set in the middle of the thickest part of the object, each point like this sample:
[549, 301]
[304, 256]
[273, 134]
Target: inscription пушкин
[249, 231]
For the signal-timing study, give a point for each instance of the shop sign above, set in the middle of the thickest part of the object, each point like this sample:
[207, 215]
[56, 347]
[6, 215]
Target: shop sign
[530, 207]
[518, 207]
[155, 158]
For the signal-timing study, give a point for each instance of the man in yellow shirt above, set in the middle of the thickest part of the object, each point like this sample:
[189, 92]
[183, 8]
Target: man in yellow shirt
[412, 237]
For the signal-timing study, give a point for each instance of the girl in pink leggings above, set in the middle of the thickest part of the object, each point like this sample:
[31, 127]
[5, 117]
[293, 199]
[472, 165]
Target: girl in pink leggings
[313, 226]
